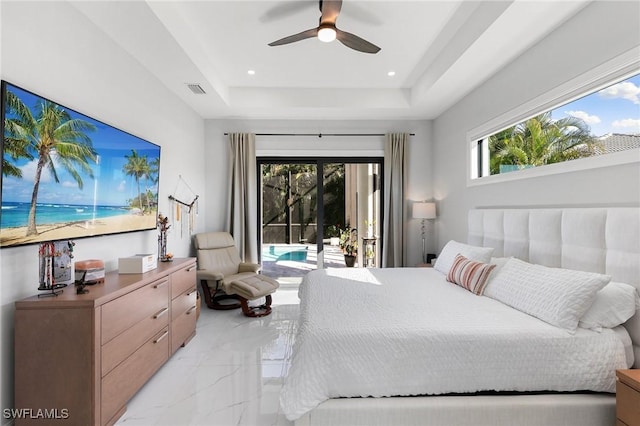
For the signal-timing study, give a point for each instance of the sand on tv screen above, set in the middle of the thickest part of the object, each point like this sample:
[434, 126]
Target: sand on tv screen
[66, 175]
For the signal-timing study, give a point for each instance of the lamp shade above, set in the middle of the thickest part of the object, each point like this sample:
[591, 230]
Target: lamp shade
[423, 210]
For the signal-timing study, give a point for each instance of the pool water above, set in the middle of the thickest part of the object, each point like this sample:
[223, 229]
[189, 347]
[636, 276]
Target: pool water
[284, 252]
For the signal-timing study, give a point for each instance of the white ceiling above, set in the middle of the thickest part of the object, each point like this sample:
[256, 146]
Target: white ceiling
[439, 50]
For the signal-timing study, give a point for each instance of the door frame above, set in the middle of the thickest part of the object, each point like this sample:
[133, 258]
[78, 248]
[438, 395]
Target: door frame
[319, 162]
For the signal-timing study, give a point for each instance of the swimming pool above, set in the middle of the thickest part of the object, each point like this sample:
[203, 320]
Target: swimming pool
[274, 253]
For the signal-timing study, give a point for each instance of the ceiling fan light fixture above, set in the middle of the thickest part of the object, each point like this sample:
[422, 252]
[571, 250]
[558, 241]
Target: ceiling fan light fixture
[326, 33]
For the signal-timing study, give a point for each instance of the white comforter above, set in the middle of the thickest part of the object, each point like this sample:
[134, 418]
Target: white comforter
[407, 331]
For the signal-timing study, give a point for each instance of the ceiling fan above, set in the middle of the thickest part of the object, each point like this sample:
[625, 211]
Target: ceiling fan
[327, 30]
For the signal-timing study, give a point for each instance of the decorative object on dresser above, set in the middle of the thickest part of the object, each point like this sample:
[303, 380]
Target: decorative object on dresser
[55, 266]
[628, 397]
[46, 252]
[223, 276]
[90, 353]
[424, 210]
[163, 227]
[90, 271]
[137, 264]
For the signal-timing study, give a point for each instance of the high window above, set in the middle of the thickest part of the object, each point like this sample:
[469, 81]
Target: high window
[602, 122]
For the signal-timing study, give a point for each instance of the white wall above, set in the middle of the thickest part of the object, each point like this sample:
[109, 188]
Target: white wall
[53, 50]
[419, 173]
[601, 31]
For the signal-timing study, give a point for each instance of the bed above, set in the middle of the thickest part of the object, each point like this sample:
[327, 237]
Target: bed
[385, 335]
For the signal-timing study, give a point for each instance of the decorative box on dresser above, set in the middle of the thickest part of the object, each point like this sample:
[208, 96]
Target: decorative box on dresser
[82, 357]
[628, 398]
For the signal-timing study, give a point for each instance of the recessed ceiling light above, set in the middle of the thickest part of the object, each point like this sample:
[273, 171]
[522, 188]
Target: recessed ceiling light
[391, 73]
[251, 72]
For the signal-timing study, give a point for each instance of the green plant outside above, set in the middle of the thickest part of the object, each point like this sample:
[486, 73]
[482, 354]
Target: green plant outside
[540, 141]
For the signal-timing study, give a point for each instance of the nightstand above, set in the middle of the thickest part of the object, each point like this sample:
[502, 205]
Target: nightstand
[628, 397]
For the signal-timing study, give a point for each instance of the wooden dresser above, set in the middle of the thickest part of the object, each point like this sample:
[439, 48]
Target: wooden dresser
[82, 357]
[628, 398]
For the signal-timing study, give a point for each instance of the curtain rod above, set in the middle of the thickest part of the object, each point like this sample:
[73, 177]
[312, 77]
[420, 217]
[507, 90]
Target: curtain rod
[321, 134]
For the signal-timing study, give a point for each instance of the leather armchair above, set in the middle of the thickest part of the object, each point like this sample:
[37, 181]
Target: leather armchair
[226, 281]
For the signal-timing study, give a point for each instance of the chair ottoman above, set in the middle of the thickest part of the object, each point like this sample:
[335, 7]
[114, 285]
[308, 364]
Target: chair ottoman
[251, 288]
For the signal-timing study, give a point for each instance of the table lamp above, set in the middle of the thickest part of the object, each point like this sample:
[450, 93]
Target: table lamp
[424, 210]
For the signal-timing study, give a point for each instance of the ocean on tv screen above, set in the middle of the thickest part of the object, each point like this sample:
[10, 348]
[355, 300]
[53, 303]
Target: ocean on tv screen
[16, 214]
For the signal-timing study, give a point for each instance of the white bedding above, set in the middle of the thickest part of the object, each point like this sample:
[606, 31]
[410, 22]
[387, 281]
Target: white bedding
[407, 331]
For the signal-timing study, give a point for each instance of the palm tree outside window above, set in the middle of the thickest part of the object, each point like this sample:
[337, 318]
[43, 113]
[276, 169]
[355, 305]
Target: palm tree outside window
[604, 121]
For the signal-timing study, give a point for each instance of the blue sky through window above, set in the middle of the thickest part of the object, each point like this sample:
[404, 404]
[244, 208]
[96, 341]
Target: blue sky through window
[614, 109]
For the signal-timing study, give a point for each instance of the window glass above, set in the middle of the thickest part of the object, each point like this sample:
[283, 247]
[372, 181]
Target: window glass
[603, 122]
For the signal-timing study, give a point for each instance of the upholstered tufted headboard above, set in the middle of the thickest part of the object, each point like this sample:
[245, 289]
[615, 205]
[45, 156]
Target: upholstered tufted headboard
[604, 240]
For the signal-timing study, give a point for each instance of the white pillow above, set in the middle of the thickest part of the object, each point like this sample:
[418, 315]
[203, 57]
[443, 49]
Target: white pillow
[613, 305]
[499, 262]
[557, 296]
[454, 248]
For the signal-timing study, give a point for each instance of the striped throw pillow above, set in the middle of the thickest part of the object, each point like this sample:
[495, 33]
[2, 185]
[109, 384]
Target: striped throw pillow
[470, 274]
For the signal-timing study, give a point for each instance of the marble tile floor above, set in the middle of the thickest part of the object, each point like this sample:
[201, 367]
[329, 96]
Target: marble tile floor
[230, 373]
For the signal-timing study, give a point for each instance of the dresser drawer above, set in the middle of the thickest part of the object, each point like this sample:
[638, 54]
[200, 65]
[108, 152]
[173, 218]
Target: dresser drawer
[183, 328]
[124, 312]
[127, 342]
[183, 280]
[124, 381]
[627, 404]
[183, 303]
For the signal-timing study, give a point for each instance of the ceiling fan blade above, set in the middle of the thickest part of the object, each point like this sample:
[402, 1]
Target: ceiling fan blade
[330, 10]
[355, 42]
[313, 32]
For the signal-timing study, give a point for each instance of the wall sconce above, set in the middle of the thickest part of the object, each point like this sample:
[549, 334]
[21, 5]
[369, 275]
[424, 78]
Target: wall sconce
[423, 210]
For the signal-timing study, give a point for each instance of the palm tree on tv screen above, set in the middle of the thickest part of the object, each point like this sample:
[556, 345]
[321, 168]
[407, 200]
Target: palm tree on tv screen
[137, 167]
[52, 137]
[541, 140]
[15, 147]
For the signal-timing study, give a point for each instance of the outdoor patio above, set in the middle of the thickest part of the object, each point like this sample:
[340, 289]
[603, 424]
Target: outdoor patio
[288, 263]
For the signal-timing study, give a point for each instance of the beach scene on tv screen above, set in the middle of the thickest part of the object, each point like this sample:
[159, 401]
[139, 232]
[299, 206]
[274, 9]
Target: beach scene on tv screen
[66, 175]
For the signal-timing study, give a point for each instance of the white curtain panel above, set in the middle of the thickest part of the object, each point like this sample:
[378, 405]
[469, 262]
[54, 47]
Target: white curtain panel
[242, 217]
[394, 189]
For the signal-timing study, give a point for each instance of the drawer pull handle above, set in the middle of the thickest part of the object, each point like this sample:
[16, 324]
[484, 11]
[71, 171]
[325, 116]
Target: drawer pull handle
[191, 310]
[162, 284]
[191, 268]
[161, 313]
[190, 292]
[165, 334]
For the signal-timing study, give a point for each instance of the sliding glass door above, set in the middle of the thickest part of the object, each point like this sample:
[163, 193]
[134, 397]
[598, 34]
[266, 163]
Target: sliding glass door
[299, 233]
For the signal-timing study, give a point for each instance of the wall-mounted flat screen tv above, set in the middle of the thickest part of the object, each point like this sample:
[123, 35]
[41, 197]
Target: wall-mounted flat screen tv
[66, 175]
